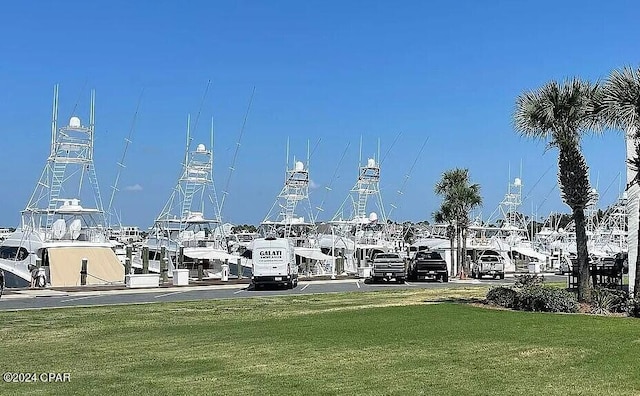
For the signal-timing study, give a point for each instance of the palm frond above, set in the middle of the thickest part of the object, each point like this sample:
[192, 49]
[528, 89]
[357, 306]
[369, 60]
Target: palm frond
[620, 99]
[558, 111]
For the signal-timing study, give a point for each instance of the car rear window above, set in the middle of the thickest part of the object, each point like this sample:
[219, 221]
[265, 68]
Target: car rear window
[387, 255]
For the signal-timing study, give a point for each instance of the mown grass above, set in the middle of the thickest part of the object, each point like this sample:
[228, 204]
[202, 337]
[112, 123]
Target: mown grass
[381, 343]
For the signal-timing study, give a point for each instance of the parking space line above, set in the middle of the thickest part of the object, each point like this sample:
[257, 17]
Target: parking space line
[358, 284]
[239, 291]
[170, 294]
[304, 287]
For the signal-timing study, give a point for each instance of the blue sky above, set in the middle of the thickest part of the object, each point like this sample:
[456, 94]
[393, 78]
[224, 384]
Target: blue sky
[323, 70]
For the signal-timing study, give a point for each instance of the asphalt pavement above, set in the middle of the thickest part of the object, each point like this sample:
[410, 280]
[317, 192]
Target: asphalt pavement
[79, 297]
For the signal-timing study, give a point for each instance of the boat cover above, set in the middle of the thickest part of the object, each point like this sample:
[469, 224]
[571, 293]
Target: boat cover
[65, 263]
[529, 252]
[312, 253]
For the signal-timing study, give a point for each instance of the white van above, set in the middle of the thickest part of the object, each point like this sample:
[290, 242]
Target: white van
[274, 262]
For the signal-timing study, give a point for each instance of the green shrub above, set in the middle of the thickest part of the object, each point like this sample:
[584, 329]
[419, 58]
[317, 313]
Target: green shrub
[633, 307]
[605, 300]
[528, 280]
[502, 296]
[546, 299]
[601, 302]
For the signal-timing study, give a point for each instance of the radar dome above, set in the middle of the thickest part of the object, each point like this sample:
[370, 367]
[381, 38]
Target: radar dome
[371, 163]
[299, 166]
[373, 216]
[517, 182]
[74, 122]
[201, 148]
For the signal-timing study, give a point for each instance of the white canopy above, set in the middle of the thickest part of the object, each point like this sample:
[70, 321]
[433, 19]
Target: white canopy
[527, 251]
[210, 254]
[312, 253]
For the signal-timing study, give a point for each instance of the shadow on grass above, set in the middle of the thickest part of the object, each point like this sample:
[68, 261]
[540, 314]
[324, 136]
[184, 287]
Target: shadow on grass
[457, 300]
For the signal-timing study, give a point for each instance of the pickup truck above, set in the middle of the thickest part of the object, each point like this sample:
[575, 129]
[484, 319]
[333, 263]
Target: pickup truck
[488, 264]
[387, 266]
[428, 265]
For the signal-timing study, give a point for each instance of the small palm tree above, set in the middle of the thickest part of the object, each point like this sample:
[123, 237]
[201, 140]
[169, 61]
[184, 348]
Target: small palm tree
[619, 107]
[466, 197]
[459, 198]
[560, 113]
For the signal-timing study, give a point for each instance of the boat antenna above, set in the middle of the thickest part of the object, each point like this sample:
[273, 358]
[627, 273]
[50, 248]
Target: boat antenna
[235, 154]
[329, 186]
[386, 154]
[611, 184]
[408, 175]
[204, 96]
[528, 194]
[212, 136]
[54, 120]
[186, 152]
[75, 106]
[286, 162]
[360, 156]
[120, 164]
[546, 197]
[313, 150]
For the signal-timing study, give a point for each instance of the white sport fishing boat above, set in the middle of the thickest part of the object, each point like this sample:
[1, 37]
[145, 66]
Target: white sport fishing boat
[282, 221]
[183, 226]
[358, 237]
[56, 233]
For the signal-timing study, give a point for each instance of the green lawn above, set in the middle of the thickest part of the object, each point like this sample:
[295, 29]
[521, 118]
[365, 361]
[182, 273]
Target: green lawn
[353, 343]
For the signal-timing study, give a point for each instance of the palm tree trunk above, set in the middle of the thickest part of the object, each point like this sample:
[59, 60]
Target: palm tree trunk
[458, 248]
[636, 283]
[584, 291]
[573, 177]
[633, 153]
[465, 263]
[452, 240]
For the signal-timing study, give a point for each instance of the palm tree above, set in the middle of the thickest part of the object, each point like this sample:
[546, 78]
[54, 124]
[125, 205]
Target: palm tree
[619, 106]
[560, 113]
[466, 198]
[459, 198]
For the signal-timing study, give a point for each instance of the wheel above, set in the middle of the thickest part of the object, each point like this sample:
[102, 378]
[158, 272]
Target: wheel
[445, 278]
[473, 274]
[501, 276]
[40, 281]
[479, 275]
[495, 276]
[295, 282]
[400, 280]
